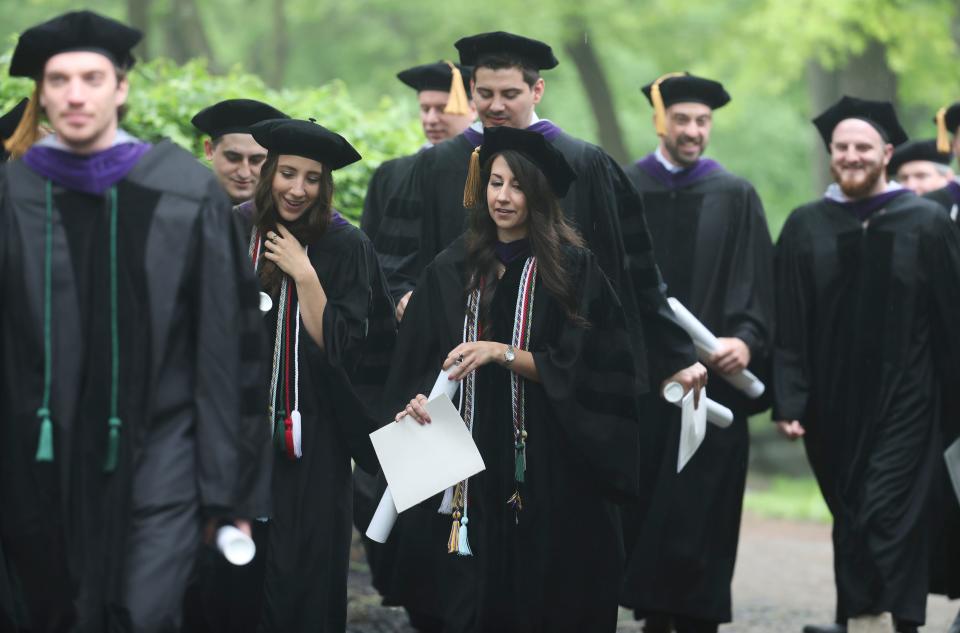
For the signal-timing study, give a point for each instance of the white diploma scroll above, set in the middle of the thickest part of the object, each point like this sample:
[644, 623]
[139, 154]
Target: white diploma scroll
[418, 461]
[707, 344]
[693, 420]
[238, 548]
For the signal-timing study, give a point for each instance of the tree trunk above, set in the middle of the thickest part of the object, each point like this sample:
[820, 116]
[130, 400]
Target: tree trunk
[594, 81]
[186, 36]
[867, 76]
[138, 15]
[281, 47]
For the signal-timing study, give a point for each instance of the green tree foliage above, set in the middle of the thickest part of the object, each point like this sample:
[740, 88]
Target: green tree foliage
[165, 96]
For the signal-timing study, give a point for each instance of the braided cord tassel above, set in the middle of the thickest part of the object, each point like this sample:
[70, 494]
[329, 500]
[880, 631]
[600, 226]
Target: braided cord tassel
[114, 423]
[45, 439]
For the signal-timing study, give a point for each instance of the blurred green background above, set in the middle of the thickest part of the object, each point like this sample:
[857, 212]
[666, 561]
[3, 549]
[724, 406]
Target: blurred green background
[783, 61]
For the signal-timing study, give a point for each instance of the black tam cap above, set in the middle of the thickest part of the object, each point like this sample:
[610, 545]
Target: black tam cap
[234, 116]
[307, 139]
[917, 150]
[434, 77]
[686, 88]
[947, 120]
[531, 145]
[10, 120]
[531, 53]
[74, 31]
[879, 114]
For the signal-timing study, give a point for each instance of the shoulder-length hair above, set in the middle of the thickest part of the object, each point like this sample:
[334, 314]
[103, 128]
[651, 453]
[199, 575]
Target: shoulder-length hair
[307, 228]
[549, 233]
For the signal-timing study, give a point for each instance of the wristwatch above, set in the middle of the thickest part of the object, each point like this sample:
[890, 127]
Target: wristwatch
[509, 356]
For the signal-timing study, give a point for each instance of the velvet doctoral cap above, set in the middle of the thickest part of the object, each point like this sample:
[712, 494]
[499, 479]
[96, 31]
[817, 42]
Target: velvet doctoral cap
[879, 114]
[307, 139]
[74, 31]
[533, 53]
[434, 77]
[687, 88]
[532, 146]
[917, 150]
[233, 116]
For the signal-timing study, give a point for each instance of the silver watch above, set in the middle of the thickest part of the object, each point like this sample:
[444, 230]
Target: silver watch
[509, 355]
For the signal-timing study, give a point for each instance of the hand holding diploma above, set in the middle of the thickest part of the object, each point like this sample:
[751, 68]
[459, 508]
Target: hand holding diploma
[420, 460]
[719, 352]
[693, 418]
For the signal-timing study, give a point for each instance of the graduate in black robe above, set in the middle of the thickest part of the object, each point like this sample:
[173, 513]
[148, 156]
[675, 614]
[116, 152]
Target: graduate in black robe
[326, 294]
[541, 550]
[443, 97]
[129, 341]
[868, 292]
[427, 214]
[714, 250]
[443, 92]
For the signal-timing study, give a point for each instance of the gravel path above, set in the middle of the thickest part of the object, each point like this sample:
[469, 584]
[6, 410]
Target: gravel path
[784, 579]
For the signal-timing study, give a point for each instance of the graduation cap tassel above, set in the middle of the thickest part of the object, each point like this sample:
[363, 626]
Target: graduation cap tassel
[45, 440]
[470, 189]
[457, 102]
[28, 130]
[453, 543]
[943, 136]
[446, 504]
[659, 111]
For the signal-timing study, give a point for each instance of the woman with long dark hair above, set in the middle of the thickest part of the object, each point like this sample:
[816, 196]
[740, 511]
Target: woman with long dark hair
[519, 312]
[323, 291]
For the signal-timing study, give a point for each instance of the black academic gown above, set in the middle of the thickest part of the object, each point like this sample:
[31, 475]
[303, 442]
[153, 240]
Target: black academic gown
[120, 546]
[714, 250]
[945, 507]
[387, 178]
[305, 588]
[556, 567]
[865, 337]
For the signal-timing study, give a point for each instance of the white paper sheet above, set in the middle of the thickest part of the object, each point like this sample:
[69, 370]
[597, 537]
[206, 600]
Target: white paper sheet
[706, 344]
[952, 457]
[419, 461]
[693, 428]
[693, 420]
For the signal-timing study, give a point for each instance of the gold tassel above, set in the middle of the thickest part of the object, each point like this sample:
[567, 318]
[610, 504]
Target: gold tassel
[471, 190]
[28, 130]
[943, 135]
[453, 543]
[457, 103]
[659, 111]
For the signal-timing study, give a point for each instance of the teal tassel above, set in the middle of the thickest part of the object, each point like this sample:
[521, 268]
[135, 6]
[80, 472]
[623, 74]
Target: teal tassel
[113, 446]
[520, 462]
[463, 546]
[45, 442]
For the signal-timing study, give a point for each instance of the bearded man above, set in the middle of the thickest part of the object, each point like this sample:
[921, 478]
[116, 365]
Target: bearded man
[867, 290]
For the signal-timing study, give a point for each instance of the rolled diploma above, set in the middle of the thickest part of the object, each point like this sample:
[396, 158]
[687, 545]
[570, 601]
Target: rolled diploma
[706, 344]
[386, 513]
[383, 519]
[717, 414]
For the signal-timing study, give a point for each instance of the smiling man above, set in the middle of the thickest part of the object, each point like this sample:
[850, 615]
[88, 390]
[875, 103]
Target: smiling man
[712, 244]
[868, 297]
[129, 345]
[235, 157]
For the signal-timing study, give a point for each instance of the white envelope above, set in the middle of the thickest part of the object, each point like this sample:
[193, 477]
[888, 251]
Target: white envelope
[419, 461]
